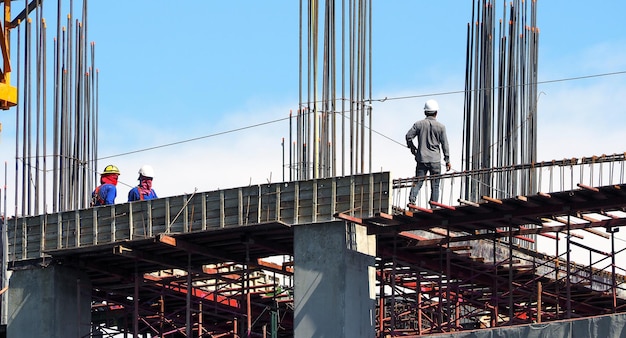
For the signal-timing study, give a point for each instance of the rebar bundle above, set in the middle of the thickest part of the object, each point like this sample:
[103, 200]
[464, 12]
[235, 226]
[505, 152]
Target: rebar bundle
[500, 109]
[63, 163]
[335, 84]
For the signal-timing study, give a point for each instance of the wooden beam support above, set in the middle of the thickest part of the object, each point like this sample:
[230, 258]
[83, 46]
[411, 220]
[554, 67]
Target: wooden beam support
[586, 187]
[415, 207]
[437, 204]
[188, 247]
[349, 218]
[466, 202]
[491, 199]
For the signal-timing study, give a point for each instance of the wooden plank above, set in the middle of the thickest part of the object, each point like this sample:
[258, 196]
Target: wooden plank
[42, 233]
[586, 187]
[333, 193]
[112, 210]
[349, 218]
[167, 216]
[258, 205]
[150, 232]
[94, 226]
[240, 207]
[491, 199]
[131, 226]
[437, 204]
[24, 239]
[418, 208]
[60, 231]
[296, 203]
[204, 223]
[222, 207]
[77, 225]
[465, 202]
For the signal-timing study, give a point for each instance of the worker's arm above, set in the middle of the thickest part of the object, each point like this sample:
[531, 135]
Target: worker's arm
[445, 147]
[410, 135]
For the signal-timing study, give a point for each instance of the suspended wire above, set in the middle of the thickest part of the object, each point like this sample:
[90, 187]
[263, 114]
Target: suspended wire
[373, 130]
[195, 138]
[499, 87]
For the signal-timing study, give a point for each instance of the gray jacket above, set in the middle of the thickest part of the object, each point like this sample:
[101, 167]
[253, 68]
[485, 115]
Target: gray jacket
[431, 134]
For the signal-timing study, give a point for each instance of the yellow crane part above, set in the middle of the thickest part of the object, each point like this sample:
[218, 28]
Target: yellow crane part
[8, 93]
[8, 96]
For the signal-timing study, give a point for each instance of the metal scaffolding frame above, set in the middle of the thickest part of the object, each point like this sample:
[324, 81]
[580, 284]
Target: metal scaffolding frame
[174, 285]
[464, 266]
[445, 269]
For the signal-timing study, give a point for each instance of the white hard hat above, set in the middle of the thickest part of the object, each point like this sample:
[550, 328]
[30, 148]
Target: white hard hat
[146, 171]
[431, 106]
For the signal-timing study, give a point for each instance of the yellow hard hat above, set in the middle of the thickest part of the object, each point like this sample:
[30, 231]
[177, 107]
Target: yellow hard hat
[111, 169]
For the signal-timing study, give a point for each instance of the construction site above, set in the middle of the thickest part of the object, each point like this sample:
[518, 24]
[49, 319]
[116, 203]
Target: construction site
[515, 247]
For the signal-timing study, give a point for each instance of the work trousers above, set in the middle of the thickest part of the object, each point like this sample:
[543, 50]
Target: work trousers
[421, 170]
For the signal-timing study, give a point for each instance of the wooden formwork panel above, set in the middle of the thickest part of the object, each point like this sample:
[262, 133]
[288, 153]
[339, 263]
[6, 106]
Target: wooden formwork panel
[295, 202]
[50, 226]
[120, 222]
[105, 224]
[269, 198]
[177, 221]
[140, 219]
[16, 234]
[160, 215]
[82, 230]
[196, 209]
[325, 199]
[287, 200]
[213, 203]
[305, 207]
[250, 205]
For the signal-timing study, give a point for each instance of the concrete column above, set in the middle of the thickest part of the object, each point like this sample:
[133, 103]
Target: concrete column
[334, 280]
[52, 301]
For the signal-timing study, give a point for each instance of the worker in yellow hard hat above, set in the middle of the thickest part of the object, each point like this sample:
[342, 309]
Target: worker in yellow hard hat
[106, 192]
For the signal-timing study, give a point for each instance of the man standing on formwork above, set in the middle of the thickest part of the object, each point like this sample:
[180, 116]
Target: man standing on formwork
[431, 137]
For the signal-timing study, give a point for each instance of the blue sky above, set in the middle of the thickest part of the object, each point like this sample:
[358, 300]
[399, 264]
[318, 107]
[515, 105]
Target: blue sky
[173, 72]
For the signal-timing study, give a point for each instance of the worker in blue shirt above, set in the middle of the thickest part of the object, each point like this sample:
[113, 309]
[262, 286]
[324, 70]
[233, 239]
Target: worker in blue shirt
[105, 193]
[144, 190]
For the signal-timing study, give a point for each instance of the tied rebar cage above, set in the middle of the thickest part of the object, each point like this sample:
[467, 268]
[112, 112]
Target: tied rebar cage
[56, 138]
[500, 108]
[546, 256]
[333, 134]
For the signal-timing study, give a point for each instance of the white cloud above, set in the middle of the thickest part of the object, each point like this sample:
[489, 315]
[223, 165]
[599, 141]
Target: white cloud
[576, 121]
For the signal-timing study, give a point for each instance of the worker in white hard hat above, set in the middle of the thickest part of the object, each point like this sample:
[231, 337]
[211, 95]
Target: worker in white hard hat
[105, 193]
[432, 140]
[144, 190]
